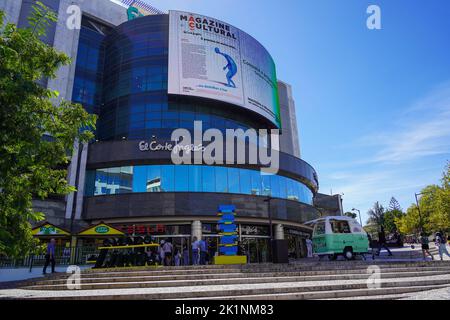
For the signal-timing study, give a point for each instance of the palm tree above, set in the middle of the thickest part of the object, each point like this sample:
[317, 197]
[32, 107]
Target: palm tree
[376, 215]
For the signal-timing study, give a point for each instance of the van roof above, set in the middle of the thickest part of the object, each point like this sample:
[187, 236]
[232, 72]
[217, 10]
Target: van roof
[312, 222]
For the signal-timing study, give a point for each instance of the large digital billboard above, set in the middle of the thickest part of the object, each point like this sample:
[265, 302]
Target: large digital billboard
[211, 59]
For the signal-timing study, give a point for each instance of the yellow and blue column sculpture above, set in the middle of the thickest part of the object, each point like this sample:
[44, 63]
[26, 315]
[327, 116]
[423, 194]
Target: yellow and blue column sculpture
[228, 246]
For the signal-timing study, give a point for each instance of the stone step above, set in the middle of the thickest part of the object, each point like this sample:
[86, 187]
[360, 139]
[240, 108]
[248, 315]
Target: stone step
[328, 289]
[230, 278]
[179, 274]
[393, 293]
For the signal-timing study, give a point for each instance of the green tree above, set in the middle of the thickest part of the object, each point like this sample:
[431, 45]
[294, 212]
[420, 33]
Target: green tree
[434, 205]
[409, 223]
[395, 211]
[394, 205]
[376, 215]
[37, 129]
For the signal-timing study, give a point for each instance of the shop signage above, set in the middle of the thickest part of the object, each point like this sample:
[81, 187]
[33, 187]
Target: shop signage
[48, 229]
[145, 146]
[100, 230]
[254, 230]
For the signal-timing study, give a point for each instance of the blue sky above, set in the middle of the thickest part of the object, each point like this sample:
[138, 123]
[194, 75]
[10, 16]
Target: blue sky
[373, 106]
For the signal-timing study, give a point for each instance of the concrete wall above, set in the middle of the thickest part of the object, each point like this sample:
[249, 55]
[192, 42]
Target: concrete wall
[11, 9]
[289, 140]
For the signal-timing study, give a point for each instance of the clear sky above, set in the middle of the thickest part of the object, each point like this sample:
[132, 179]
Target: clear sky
[373, 106]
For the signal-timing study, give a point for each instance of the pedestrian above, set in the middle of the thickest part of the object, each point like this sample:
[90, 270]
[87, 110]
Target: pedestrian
[441, 243]
[382, 242]
[185, 255]
[309, 247]
[371, 246]
[195, 251]
[176, 256]
[168, 251]
[425, 245]
[50, 256]
[203, 251]
[161, 253]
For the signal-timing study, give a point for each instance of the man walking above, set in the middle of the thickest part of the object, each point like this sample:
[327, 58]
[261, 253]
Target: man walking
[203, 252]
[382, 242]
[195, 249]
[50, 256]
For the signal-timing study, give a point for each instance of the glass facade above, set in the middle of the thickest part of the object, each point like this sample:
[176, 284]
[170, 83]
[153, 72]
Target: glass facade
[194, 178]
[136, 103]
[88, 82]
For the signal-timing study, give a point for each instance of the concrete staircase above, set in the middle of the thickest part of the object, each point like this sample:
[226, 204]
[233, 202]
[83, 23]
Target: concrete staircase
[305, 280]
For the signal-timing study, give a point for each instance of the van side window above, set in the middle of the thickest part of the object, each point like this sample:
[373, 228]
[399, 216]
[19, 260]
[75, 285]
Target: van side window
[320, 228]
[339, 226]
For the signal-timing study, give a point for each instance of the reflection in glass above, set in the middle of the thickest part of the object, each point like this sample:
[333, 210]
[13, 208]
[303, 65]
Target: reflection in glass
[194, 178]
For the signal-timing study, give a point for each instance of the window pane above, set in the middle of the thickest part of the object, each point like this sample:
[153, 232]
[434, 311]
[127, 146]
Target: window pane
[209, 179]
[282, 182]
[221, 179]
[265, 183]
[195, 178]
[139, 178]
[256, 182]
[275, 184]
[153, 183]
[246, 181]
[233, 180]
[167, 178]
[181, 178]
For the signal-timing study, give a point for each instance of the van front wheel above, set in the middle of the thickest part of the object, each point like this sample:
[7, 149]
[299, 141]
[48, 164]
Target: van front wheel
[348, 254]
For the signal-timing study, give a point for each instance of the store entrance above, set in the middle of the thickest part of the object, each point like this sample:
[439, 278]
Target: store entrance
[178, 243]
[256, 249]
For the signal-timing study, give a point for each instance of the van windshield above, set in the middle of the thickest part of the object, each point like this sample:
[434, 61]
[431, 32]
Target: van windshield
[339, 226]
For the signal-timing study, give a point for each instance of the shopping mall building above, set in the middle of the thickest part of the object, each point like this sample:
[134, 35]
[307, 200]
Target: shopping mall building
[146, 73]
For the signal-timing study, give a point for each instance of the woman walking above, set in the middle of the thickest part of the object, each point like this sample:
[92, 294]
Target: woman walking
[425, 246]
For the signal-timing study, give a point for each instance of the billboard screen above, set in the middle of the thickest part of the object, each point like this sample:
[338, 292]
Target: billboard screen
[211, 59]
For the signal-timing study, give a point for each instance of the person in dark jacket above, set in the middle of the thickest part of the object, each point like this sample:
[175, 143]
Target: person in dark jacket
[50, 256]
[382, 242]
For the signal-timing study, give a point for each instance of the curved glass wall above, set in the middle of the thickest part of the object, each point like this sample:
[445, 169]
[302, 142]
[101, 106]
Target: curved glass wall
[194, 178]
[136, 103]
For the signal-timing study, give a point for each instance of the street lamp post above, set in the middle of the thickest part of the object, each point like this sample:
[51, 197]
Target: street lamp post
[418, 210]
[418, 207]
[359, 213]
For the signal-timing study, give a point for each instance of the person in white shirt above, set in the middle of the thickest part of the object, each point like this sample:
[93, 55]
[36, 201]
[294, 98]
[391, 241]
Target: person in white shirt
[309, 246]
[168, 249]
[161, 253]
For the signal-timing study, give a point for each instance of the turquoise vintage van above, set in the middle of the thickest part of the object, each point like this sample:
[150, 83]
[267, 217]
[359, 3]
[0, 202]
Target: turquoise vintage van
[338, 235]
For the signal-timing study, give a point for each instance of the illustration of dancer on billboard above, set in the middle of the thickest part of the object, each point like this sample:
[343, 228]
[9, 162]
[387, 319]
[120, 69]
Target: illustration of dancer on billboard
[231, 66]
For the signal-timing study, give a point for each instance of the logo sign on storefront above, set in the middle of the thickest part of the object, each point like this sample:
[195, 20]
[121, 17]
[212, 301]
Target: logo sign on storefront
[102, 229]
[48, 230]
[152, 146]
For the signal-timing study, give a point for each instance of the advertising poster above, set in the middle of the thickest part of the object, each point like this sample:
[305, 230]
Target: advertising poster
[211, 59]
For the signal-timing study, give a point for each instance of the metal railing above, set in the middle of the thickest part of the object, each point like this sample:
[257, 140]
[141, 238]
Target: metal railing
[62, 257]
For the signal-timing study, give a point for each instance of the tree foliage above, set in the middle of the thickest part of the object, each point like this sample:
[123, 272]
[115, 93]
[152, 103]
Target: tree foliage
[376, 214]
[37, 129]
[351, 214]
[434, 204]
